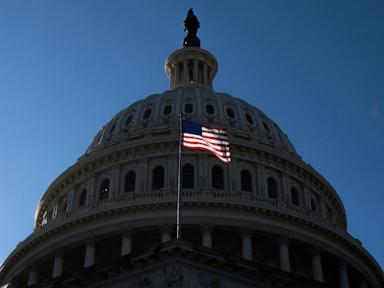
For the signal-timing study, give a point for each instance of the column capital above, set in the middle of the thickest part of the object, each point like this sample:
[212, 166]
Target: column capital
[127, 233]
[90, 241]
[166, 228]
[245, 231]
[206, 227]
[283, 239]
[342, 264]
[315, 251]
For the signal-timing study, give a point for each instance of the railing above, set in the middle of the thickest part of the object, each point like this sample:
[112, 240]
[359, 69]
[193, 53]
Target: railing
[208, 196]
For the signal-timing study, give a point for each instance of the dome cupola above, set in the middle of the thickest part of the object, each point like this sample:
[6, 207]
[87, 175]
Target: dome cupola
[191, 66]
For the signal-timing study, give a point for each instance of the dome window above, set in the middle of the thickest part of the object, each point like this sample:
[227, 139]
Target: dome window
[249, 118]
[147, 114]
[272, 188]
[266, 127]
[112, 129]
[129, 181]
[128, 120]
[83, 198]
[210, 109]
[246, 180]
[188, 176]
[217, 177]
[104, 190]
[295, 200]
[45, 218]
[55, 211]
[230, 113]
[188, 108]
[158, 178]
[167, 110]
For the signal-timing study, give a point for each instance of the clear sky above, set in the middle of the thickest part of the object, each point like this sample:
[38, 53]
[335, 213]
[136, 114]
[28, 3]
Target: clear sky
[315, 67]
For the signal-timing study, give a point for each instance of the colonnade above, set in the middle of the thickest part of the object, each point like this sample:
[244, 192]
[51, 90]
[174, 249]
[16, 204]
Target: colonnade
[206, 241]
[182, 76]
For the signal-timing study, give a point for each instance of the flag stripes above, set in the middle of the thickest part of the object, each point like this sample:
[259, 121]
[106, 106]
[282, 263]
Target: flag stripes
[198, 137]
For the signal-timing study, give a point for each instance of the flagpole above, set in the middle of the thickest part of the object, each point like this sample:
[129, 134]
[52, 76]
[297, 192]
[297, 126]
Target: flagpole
[178, 226]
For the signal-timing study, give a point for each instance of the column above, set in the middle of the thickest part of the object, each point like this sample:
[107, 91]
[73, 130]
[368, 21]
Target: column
[207, 236]
[205, 74]
[285, 189]
[142, 177]
[260, 181]
[114, 184]
[317, 269]
[92, 193]
[343, 275]
[176, 79]
[185, 73]
[89, 259]
[203, 172]
[195, 71]
[126, 243]
[247, 244]
[57, 270]
[70, 200]
[32, 277]
[165, 233]
[284, 254]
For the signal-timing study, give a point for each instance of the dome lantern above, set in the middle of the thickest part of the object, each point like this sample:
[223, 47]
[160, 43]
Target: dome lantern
[191, 65]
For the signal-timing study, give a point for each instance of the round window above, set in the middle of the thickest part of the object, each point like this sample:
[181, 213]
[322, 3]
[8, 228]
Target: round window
[128, 120]
[147, 113]
[249, 118]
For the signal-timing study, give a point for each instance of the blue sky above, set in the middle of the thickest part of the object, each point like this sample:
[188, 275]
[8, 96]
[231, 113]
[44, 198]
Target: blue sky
[315, 67]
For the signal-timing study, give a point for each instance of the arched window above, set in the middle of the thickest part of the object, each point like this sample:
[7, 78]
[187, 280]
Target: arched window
[272, 188]
[295, 196]
[55, 211]
[104, 190]
[217, 177]
[188, 176]
[246, 180]
[83, 198]
[209, 109]
[313, 205]
[130, 181]
[157, 178]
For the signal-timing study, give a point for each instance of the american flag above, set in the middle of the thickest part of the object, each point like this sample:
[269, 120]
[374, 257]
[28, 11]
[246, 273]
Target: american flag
[198, 137]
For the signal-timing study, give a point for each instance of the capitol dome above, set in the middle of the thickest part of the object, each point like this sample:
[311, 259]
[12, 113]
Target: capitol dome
[267, 219]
